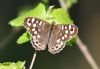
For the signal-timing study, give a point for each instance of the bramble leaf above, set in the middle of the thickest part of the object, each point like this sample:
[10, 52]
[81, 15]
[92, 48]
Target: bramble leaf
[71, 42]
[12, 65]
[23, 38]
[38, 11]
[61, 16]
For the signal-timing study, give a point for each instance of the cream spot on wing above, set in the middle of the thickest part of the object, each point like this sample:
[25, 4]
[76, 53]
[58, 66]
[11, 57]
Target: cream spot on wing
[34, 25]
[37, 21]
[65, 27]
[40, 23]
[62, 38]
[35, 32]
[33, 29]
[69, 27]
[29, 24]
[33, 19]
[34, 37]
[71, 32]
[61, 43]
[65, 36]
[62, 27]
[58, 40]
[38, 36]
[66, 31]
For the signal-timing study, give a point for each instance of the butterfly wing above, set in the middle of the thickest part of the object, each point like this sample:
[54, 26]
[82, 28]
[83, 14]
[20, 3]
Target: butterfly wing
[59, 35]
[38, 30]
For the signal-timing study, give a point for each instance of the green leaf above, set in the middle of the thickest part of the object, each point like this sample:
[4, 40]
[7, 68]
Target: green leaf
[61, 16]
[24, 9]
[23, 38]
[20, 64]
[69, 3]
[38, 11]
[12, 65]
[71, 42]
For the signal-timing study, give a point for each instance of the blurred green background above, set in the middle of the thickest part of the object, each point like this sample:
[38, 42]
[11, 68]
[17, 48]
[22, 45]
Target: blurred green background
[86, 15]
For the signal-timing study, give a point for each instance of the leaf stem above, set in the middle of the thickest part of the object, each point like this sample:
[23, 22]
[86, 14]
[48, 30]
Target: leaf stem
[49, 10]
[33, 60]
[63, 5]
[83, 48]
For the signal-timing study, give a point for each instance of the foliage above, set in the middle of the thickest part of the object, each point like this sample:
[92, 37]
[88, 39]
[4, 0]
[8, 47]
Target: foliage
[23, 38]
[61, 16]
[38, 11]
[71, 42]
[12, 65]
[58, 15]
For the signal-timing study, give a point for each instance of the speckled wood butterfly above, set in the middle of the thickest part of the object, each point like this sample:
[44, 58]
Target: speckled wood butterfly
[53, 36]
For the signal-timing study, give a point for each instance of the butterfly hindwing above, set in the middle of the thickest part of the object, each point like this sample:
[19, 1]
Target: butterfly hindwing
[59, 35]
[38, 30]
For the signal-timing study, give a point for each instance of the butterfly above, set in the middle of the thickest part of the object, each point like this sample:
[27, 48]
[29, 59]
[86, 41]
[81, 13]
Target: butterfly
[44, 34]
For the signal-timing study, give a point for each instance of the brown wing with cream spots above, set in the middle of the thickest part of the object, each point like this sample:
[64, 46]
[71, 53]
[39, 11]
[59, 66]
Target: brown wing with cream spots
[38, 29]
[59, 35]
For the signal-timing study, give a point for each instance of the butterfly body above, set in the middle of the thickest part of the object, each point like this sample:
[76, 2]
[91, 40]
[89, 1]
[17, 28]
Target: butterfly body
[43, 34]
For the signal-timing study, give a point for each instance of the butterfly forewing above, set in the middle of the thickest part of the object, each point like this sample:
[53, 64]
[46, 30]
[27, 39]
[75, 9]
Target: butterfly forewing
[72, 31]
[59, 35]
[38, 30]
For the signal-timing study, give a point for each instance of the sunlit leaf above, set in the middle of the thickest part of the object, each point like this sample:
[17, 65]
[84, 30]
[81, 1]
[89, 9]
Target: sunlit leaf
[71, 42]
[12, 65]
[23, 38]
[61, 16]
[38, 11]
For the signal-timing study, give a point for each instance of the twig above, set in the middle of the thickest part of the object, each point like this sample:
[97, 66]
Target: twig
[86, 54]
[82, 46]
[33, 60]
[7, 39]
[63, 5]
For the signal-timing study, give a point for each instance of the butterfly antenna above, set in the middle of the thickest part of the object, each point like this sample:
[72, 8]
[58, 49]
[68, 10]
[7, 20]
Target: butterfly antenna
[33, 60]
